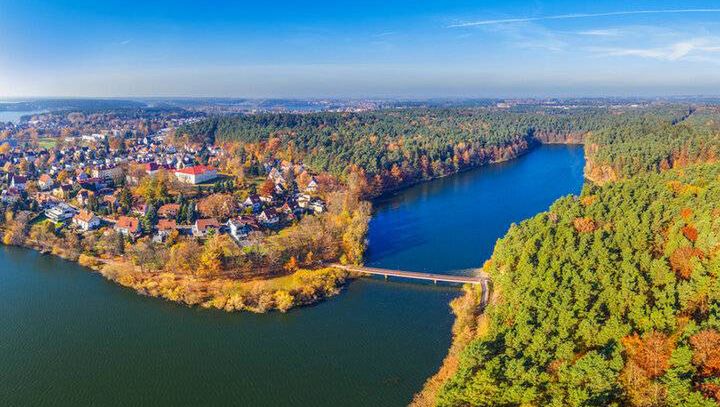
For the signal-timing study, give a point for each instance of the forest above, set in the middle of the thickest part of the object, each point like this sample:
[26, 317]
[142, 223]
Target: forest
[616, 152]
[609, 298]
[389, 149]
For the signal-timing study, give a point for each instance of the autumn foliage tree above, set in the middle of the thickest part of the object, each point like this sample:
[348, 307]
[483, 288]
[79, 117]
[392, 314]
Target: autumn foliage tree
[218, 206]
[584, 225]
[706, 352]
[218, 255]
[639, 389]
[155, 187]
[651, 352]
[291, 265]
[267, 188]
[184, 257]
[681, 260]
[15, 230]
[690, 233]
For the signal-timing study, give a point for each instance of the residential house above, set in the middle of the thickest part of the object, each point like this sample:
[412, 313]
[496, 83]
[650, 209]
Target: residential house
[83, 196]
[269, 217]
[45, 182]
[139, 209]
[103, 172]
[151, 168]
[311, 186]
[317, 206]
[111, 201]
[11, 195]
[164, 228]
[276, 177]
[128, 226]
[254, 202]
[291, 207]
[203, 226]
[62, 191]
[93, 183]
[45, 200]
[238, 229]
[303, 200]
[168, 210]
[86, 220]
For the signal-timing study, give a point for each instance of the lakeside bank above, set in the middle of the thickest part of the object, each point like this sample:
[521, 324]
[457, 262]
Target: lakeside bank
[393, 334]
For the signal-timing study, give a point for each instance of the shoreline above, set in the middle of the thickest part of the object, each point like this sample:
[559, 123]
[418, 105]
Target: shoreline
[302, 287]
[213, 294]
[532, 145]
[470, 323]
[257, 295]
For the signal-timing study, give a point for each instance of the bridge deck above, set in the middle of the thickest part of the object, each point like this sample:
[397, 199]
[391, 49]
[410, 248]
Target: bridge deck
[448, 278]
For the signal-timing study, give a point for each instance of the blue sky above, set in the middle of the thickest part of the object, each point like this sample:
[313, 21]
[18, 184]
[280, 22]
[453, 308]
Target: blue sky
[359, 48]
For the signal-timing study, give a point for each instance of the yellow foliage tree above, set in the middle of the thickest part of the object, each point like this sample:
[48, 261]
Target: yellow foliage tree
[217, 252]
[283, 300]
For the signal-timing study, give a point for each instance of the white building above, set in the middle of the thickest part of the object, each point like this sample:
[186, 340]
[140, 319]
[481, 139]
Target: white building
[317, 206]
[196, 174]
[268, 217]
[238, 229]
[18, 182]
[60, 212]
[86, 220]
[312, 185]
[107, 172]
[45, 182]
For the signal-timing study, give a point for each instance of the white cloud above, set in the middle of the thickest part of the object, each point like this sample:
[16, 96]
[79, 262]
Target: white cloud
[607, 32]
[580, 15]
[697, 48]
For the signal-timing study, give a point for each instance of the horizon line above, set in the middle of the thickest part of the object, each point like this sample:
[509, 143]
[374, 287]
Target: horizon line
[4, 99]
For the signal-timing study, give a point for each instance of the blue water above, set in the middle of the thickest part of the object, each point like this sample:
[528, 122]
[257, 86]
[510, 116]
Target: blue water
[451, 224]
[68, 337]
[14, 117]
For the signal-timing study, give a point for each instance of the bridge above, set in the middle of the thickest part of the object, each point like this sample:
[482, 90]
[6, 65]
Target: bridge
[480, 278]
[414, 275]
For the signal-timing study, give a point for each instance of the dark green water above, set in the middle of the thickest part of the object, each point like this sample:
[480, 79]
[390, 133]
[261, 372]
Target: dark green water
[70, 338]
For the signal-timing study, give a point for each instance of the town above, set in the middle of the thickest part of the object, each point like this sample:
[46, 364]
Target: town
[136, 180]
[85, 186]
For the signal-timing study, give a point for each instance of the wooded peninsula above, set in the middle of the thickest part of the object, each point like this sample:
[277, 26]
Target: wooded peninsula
[609, 298]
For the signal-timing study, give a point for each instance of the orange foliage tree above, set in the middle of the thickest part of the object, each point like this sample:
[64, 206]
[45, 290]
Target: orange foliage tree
[291, 265]
[267, 188]
[681, 261]
[686, 213]
[651, 352]
[690, 233]
[706, 352]
[584, 225]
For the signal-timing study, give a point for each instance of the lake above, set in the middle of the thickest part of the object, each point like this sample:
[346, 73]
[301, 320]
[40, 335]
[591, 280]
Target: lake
[14, 117]
[68, 337]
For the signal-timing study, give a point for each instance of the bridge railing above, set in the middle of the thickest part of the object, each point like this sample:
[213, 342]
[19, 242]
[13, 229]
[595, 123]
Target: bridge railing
[450, 278]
